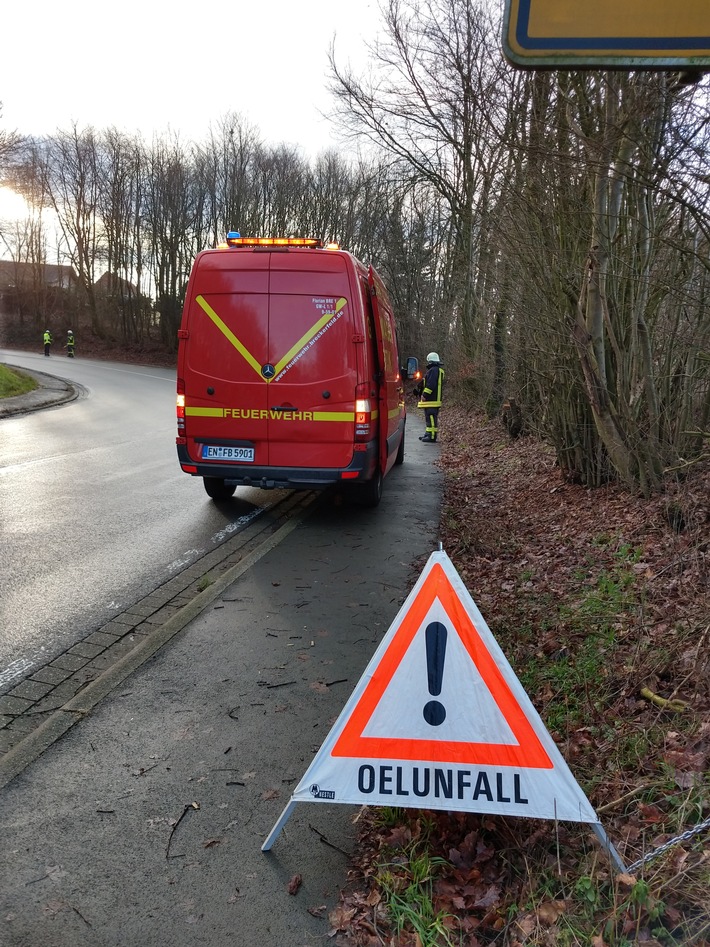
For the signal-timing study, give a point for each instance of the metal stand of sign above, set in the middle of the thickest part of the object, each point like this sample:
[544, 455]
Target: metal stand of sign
[597, 828]
[608, 847]
[276, 831]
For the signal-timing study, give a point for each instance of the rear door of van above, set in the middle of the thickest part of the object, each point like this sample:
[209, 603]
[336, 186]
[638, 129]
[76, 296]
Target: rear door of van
[311, 395]
[228, 326]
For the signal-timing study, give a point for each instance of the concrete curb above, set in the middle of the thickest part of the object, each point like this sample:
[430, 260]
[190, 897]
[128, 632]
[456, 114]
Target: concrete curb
[52, 392]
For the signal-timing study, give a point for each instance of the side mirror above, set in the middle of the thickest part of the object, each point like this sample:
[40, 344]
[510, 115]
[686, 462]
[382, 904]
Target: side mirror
[412, 367]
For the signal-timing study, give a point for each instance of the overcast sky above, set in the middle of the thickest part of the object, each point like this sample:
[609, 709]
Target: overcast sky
[150, 65]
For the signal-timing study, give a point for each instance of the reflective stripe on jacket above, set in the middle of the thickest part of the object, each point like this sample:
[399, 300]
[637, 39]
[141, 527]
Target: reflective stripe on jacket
[433, 387]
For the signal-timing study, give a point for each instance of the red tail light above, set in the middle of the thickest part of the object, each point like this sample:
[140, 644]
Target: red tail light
[180, 406]
[363, 414]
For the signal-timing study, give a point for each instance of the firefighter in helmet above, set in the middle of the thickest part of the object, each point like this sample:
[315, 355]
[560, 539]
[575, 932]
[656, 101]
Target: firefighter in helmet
[70, 343]
[47, 339]
[430, 391]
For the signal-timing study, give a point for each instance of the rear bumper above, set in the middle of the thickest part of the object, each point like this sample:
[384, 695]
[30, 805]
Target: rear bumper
[294, 478]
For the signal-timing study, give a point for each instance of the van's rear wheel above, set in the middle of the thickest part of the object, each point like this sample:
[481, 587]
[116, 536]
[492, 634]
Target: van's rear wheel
[217, 488]
[370, 493]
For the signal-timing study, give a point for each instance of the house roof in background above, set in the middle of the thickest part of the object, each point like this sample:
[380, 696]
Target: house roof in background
[14, 274]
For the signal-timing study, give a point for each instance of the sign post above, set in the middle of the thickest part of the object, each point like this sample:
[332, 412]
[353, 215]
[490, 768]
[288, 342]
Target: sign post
[608, 34]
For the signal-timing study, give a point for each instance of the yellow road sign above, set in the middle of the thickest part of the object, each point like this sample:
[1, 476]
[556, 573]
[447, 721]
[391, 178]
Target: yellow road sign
[608, 33]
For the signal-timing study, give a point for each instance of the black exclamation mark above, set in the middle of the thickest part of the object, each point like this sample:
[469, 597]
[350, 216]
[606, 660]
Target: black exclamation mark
[435, 635]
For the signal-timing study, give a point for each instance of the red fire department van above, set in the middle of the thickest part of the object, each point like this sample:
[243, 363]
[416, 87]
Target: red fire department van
[288, 371]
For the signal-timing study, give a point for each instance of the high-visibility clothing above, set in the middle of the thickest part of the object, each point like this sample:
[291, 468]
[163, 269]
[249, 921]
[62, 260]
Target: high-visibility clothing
[430, 399]
[47, 338]
[433, 387]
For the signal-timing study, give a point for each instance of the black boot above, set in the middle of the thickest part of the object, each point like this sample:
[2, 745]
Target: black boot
[426, 437]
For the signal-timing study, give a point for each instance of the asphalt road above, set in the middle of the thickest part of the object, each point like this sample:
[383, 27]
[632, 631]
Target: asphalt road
[143, 824]
[94, 509]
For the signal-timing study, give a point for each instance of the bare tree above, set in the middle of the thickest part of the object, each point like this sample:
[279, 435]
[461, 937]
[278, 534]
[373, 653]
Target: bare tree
[430, 101]
[171, 220]
[9, 143]
[121, 210]
[606, 259]
[225, 169]
[69, 165]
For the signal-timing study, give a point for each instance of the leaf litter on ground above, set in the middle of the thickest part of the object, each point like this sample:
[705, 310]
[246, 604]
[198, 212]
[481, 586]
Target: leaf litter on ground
[594, 595]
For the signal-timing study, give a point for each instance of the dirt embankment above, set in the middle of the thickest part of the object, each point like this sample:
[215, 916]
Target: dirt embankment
[601, 602]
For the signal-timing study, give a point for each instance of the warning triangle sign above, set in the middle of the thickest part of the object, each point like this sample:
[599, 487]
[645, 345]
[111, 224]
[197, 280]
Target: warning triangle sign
[439, 720]
[437, 651]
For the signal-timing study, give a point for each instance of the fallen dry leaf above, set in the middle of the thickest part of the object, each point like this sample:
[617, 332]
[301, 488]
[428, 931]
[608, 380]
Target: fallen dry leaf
[628, 881]
[341, 916]
[550, 912]
[490, 897]
[294, 884]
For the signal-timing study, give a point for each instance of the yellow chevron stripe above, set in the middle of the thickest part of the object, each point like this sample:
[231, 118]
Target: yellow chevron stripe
[326, 317]
[228, 334]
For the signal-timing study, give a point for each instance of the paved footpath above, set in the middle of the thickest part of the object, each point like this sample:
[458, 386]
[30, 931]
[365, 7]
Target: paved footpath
[143, 823]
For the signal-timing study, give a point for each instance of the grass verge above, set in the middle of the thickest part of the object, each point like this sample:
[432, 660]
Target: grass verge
[600, 603]
[14, 383]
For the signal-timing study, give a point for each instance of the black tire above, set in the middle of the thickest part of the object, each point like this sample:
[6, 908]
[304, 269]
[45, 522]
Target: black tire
[399, 459]
[370, 492]
[217, 488]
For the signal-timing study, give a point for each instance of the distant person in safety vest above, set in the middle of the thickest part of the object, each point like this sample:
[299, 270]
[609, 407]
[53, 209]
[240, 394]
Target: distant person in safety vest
[430, 390]
[70, 344]
[47, 341]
